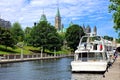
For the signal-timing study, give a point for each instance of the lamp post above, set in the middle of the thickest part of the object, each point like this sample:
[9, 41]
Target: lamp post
[21, 45]
[21, 56]
[41, 52]
[54, 51]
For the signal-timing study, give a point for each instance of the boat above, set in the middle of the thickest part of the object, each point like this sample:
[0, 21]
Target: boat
[91, 55]
[109, 46]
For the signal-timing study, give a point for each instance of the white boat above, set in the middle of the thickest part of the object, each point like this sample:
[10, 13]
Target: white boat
[110, 50]
[91, 55]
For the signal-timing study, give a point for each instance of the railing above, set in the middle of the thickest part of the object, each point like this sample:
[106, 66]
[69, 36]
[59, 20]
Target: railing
[37, 56]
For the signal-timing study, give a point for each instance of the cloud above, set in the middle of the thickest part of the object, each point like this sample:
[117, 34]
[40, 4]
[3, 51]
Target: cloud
[92, 12]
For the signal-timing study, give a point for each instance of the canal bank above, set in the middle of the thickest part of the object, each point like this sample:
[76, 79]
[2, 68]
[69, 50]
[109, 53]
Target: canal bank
[114, 71]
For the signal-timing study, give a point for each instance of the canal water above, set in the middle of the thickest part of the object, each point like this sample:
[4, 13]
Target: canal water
[55, 69]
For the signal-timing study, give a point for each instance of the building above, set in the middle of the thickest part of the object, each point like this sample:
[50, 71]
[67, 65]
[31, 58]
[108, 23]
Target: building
[59, 27]
[88, 29]
[5, 24]
[43, 17]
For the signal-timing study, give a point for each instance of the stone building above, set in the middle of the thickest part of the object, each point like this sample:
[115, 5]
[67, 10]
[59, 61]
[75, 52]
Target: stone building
[43, 17]
[58, 25]
[88, 29]
[5, 24]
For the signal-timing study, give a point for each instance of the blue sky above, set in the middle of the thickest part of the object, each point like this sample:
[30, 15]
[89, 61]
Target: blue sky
[87, 12]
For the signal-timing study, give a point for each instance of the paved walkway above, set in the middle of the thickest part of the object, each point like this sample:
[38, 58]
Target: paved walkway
[114, 71]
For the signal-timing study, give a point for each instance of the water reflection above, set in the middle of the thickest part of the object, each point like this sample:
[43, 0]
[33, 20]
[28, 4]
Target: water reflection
[86, 76]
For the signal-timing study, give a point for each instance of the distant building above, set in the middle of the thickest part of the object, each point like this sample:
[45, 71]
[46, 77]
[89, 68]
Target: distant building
[71, 23]
[43, 17]
[95, 30]
[58, 25]
[88, 29]
[5, 24]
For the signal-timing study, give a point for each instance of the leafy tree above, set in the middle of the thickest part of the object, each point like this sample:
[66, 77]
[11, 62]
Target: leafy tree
[27, 35]
[6, 38]
[115, 8]
[73, 35]
[108, 38]
[17, 32]
[1, 35]
[44, 35]
[118, 40]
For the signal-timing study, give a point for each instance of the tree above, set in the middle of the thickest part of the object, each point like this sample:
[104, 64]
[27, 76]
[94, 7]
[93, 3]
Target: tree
[108, 38]
[45, 35]
[73, 35]
[17, 32]
[115, 8]
[6, 38]
[27, 35]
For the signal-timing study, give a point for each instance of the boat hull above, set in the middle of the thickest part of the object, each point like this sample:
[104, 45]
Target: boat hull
[78, 66]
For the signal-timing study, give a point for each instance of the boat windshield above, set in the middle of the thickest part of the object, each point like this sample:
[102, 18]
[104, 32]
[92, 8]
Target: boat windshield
[89, 39]
[90, 42]
[92, 56]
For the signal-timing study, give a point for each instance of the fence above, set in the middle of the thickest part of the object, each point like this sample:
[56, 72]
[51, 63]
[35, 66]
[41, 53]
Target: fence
[20, 58]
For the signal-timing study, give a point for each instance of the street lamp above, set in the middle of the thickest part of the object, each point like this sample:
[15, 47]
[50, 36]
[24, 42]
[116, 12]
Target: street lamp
[54, 51]
[21, 45]
[41, 52]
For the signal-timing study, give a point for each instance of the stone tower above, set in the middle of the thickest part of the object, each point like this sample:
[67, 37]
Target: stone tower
[88, 29]
[95, 30]
[58, 21]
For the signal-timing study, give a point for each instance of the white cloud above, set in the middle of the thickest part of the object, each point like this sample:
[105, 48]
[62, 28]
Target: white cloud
[92, 12]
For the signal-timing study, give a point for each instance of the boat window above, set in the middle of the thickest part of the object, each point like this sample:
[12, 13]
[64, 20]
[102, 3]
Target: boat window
[91, 56]
[84, 56]
[79, 56]
[95, 56]
[98, 56]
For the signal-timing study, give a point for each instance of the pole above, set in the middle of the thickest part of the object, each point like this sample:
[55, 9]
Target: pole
[41, 52]
[54, 51]
[21, 53]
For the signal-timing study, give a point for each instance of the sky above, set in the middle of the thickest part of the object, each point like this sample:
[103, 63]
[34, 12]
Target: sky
[87, 12]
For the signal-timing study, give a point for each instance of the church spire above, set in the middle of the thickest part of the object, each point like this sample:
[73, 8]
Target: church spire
[95, 30]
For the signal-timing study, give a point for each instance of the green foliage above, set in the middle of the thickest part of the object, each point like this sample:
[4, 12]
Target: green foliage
[73, 35]
[6, 38]
[44, 35]
[108, 38]
[118, 40]
[115, 8]
[17, 32]
[27, 38]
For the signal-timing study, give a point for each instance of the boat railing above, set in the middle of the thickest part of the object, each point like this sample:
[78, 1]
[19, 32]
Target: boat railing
[91, 46]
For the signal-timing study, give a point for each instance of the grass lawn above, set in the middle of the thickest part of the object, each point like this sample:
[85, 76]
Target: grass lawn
[16, 50]
[28, 50]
